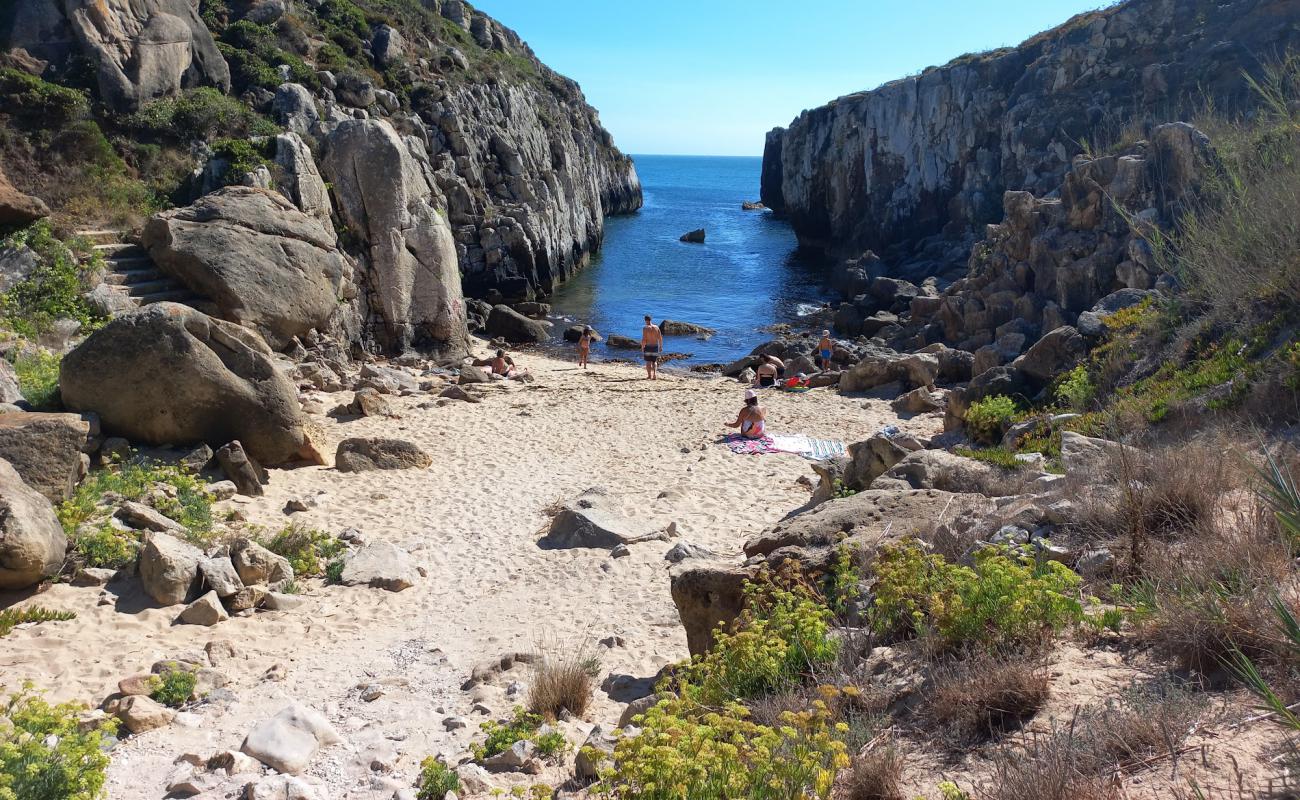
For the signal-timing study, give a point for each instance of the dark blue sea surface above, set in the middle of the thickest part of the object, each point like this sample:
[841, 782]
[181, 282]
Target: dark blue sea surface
[745, 277]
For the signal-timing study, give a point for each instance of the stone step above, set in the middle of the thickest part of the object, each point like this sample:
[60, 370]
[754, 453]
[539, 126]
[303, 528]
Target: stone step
[117, 250]
[146, 288]
[132, 276]
[128, 263]
[184, 296]
[105, 236]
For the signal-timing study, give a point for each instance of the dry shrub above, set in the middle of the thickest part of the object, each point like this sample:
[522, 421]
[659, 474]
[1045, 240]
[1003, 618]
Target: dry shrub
[863, 710]
[1162, 494]
[1211, 595]
[563, 680]
[1083, 760]
[983, 697]
[873, 775]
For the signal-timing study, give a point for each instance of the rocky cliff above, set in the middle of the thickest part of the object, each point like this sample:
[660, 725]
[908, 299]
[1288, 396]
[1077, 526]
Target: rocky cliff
[913, 169]
[449, 159]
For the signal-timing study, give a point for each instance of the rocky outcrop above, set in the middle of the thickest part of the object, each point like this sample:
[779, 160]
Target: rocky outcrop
[18, 208]
[32, 543]
[168, 374]
[920, 163]
[388, 200]
[265, 264]
[50, 451]
[142, 49]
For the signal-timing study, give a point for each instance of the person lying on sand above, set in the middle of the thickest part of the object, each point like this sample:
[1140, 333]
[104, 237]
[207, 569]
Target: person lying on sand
[584, 346]
[503, 366]
[767, 373]
[752, 419]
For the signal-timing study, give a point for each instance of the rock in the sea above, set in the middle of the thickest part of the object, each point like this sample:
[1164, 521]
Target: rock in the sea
[380, 565]
[207, 610]
[169, 568]
[693, 237]
[671, 327]
[508, 324]
[288, 741]
[169, 374]
[32, 542]
[263, 263]
[374, 453]
[141, 714]
[48, 450]
[619, 342]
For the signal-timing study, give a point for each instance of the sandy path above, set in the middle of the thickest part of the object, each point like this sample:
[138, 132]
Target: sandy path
[472, 521]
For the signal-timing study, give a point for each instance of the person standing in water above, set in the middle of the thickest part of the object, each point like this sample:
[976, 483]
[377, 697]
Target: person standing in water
[584, 346]
[652, 342]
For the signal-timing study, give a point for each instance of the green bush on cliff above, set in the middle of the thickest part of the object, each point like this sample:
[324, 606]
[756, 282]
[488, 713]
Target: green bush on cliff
[52, 291]
[44, 753]
[199, 114]
[38, 378]
[987, 419]
[241, 157]
[35, 100]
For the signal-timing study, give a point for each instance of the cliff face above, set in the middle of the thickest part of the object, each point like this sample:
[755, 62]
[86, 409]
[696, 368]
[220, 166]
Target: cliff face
[457, 162]
[919, 164]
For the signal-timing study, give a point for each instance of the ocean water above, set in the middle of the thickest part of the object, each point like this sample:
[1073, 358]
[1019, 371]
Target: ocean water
[746, 276]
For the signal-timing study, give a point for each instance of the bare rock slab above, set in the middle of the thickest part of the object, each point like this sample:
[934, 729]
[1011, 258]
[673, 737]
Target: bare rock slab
[367, 454]
[207, 610]
[589, 522]
[288, 741]
[381, 565]
[169, 568]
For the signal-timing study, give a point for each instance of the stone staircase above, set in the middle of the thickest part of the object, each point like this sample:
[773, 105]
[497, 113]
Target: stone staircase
[132, 273]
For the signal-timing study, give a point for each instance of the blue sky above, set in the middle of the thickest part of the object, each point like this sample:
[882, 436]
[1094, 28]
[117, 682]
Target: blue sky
[710, 77]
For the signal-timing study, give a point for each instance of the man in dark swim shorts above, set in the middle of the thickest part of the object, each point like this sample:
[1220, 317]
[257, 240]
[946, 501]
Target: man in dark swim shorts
[652, 343]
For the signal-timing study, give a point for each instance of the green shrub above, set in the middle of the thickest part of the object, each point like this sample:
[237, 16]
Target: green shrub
[105, 546]
[52, 291]
[44, 753]
[199, 114]
[1006, 598]
[11, 617]
[241, 157]
[997, 456]
[254, 55]
[38, 378]
[174, 687]
[1075, 390]
[780, 635]
[501, 736]
[436, 779]
[28, 97]
[334, 571]
[309, 551]
[701, 753]
[191, 506]
[987, 419]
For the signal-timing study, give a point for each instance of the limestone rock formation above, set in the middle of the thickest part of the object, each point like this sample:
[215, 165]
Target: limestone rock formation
[32, 543]
[168, 374]
[143, 49]
[264, 263]
[925, 159]
[387, 198]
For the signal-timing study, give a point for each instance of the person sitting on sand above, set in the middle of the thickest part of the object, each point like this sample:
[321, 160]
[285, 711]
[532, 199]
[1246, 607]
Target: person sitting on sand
[752, 419]
[503, 366]
[652, 342]
[825, 350]
[769, 371]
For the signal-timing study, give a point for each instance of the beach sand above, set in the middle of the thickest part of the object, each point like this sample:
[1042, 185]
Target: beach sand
[471, 521]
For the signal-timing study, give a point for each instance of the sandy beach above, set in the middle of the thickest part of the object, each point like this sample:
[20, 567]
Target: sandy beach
[472, 522]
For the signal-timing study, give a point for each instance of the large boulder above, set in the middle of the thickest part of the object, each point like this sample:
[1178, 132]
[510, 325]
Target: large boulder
[1056, 352]
[16, 208]
[588, 522]
[948, 472]
[264, 263]
[10, 392]
[512, 326]
[256, 565]
[381, 565]
[387, 198]
[48, 450]
[32, 544]
[708, 596]
[869, 519]
[287, 741]
[169, 374]
[373, 453]
[141, 49]
[169, 569]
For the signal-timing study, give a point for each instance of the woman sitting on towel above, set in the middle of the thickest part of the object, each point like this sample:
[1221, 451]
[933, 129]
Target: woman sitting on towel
[752, 419]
